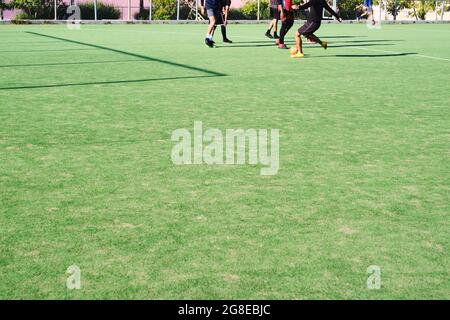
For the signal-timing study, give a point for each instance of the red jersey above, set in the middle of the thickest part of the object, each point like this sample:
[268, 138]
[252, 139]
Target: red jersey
[286, 4]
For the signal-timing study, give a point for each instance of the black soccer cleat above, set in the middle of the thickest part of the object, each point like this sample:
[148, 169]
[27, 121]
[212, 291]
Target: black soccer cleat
[268, 35]
[275, 36]
[209, 43]
[226, 40]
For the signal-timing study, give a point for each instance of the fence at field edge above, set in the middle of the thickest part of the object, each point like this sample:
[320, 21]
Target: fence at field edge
[128, 12]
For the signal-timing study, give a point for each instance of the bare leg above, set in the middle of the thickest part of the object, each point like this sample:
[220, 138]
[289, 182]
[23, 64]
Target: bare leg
[212, 24]
[298, 41]
[371, 16]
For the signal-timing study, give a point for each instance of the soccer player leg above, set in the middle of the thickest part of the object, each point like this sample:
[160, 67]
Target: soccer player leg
[212, 23]
[308, 29]
[287, 22]
[312, 37]
[298, 52]
[303, 30]
[283, 31]
[275, 23]
[272, 24]
[224, 34]
[220, 21]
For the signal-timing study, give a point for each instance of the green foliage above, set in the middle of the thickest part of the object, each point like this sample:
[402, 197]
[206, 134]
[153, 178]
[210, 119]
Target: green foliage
[349, 9]
[172, 14]
[394, 6]
[44, 9]
[21, 16]
[104, 11]
[4, 5]
[250, 9]
[424, 8]
[35, 9]
[421, 8]
[164, 9]
[236, 14]
[143, 13]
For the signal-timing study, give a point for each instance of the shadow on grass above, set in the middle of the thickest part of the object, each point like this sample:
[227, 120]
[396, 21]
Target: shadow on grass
[363, 41]
[358, 45]
[332, 37]
[46, 50]
[383, 55]
[306, 43]
[66, 63]
[324, 38]
[208, 73]
[175, 64]
[102, 82]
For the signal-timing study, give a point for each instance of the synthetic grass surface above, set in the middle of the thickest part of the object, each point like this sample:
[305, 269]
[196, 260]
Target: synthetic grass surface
[86, 176]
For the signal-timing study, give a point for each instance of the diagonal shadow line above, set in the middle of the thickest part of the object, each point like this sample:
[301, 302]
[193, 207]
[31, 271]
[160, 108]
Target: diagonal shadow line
[366, 55]
[105, 82]
[374, 55]
[67, 63]
[358, 45]
[81, 143]
[131, 54]
[331, 45]
[43, 50]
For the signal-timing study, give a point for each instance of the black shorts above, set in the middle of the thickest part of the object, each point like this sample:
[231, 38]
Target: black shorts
[220, 18]
[274, 13]
[309, 28]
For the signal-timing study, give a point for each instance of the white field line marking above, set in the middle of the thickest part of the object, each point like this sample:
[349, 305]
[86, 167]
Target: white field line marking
[425, 30]
[253, 38]
[396, 52]
[430, 57]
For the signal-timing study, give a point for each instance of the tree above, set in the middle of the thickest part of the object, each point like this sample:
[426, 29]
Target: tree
[36, 9]
[3, 6]
[164, 9]
[349, 9]
[250, 9]
[142, 14]
[141, 8]
[424, 7]
[394, 6]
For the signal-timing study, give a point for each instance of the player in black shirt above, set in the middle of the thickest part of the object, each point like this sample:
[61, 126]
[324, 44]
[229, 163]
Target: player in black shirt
[312, 25]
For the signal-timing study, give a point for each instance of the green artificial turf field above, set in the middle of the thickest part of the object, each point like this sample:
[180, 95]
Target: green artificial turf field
[86, 176]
